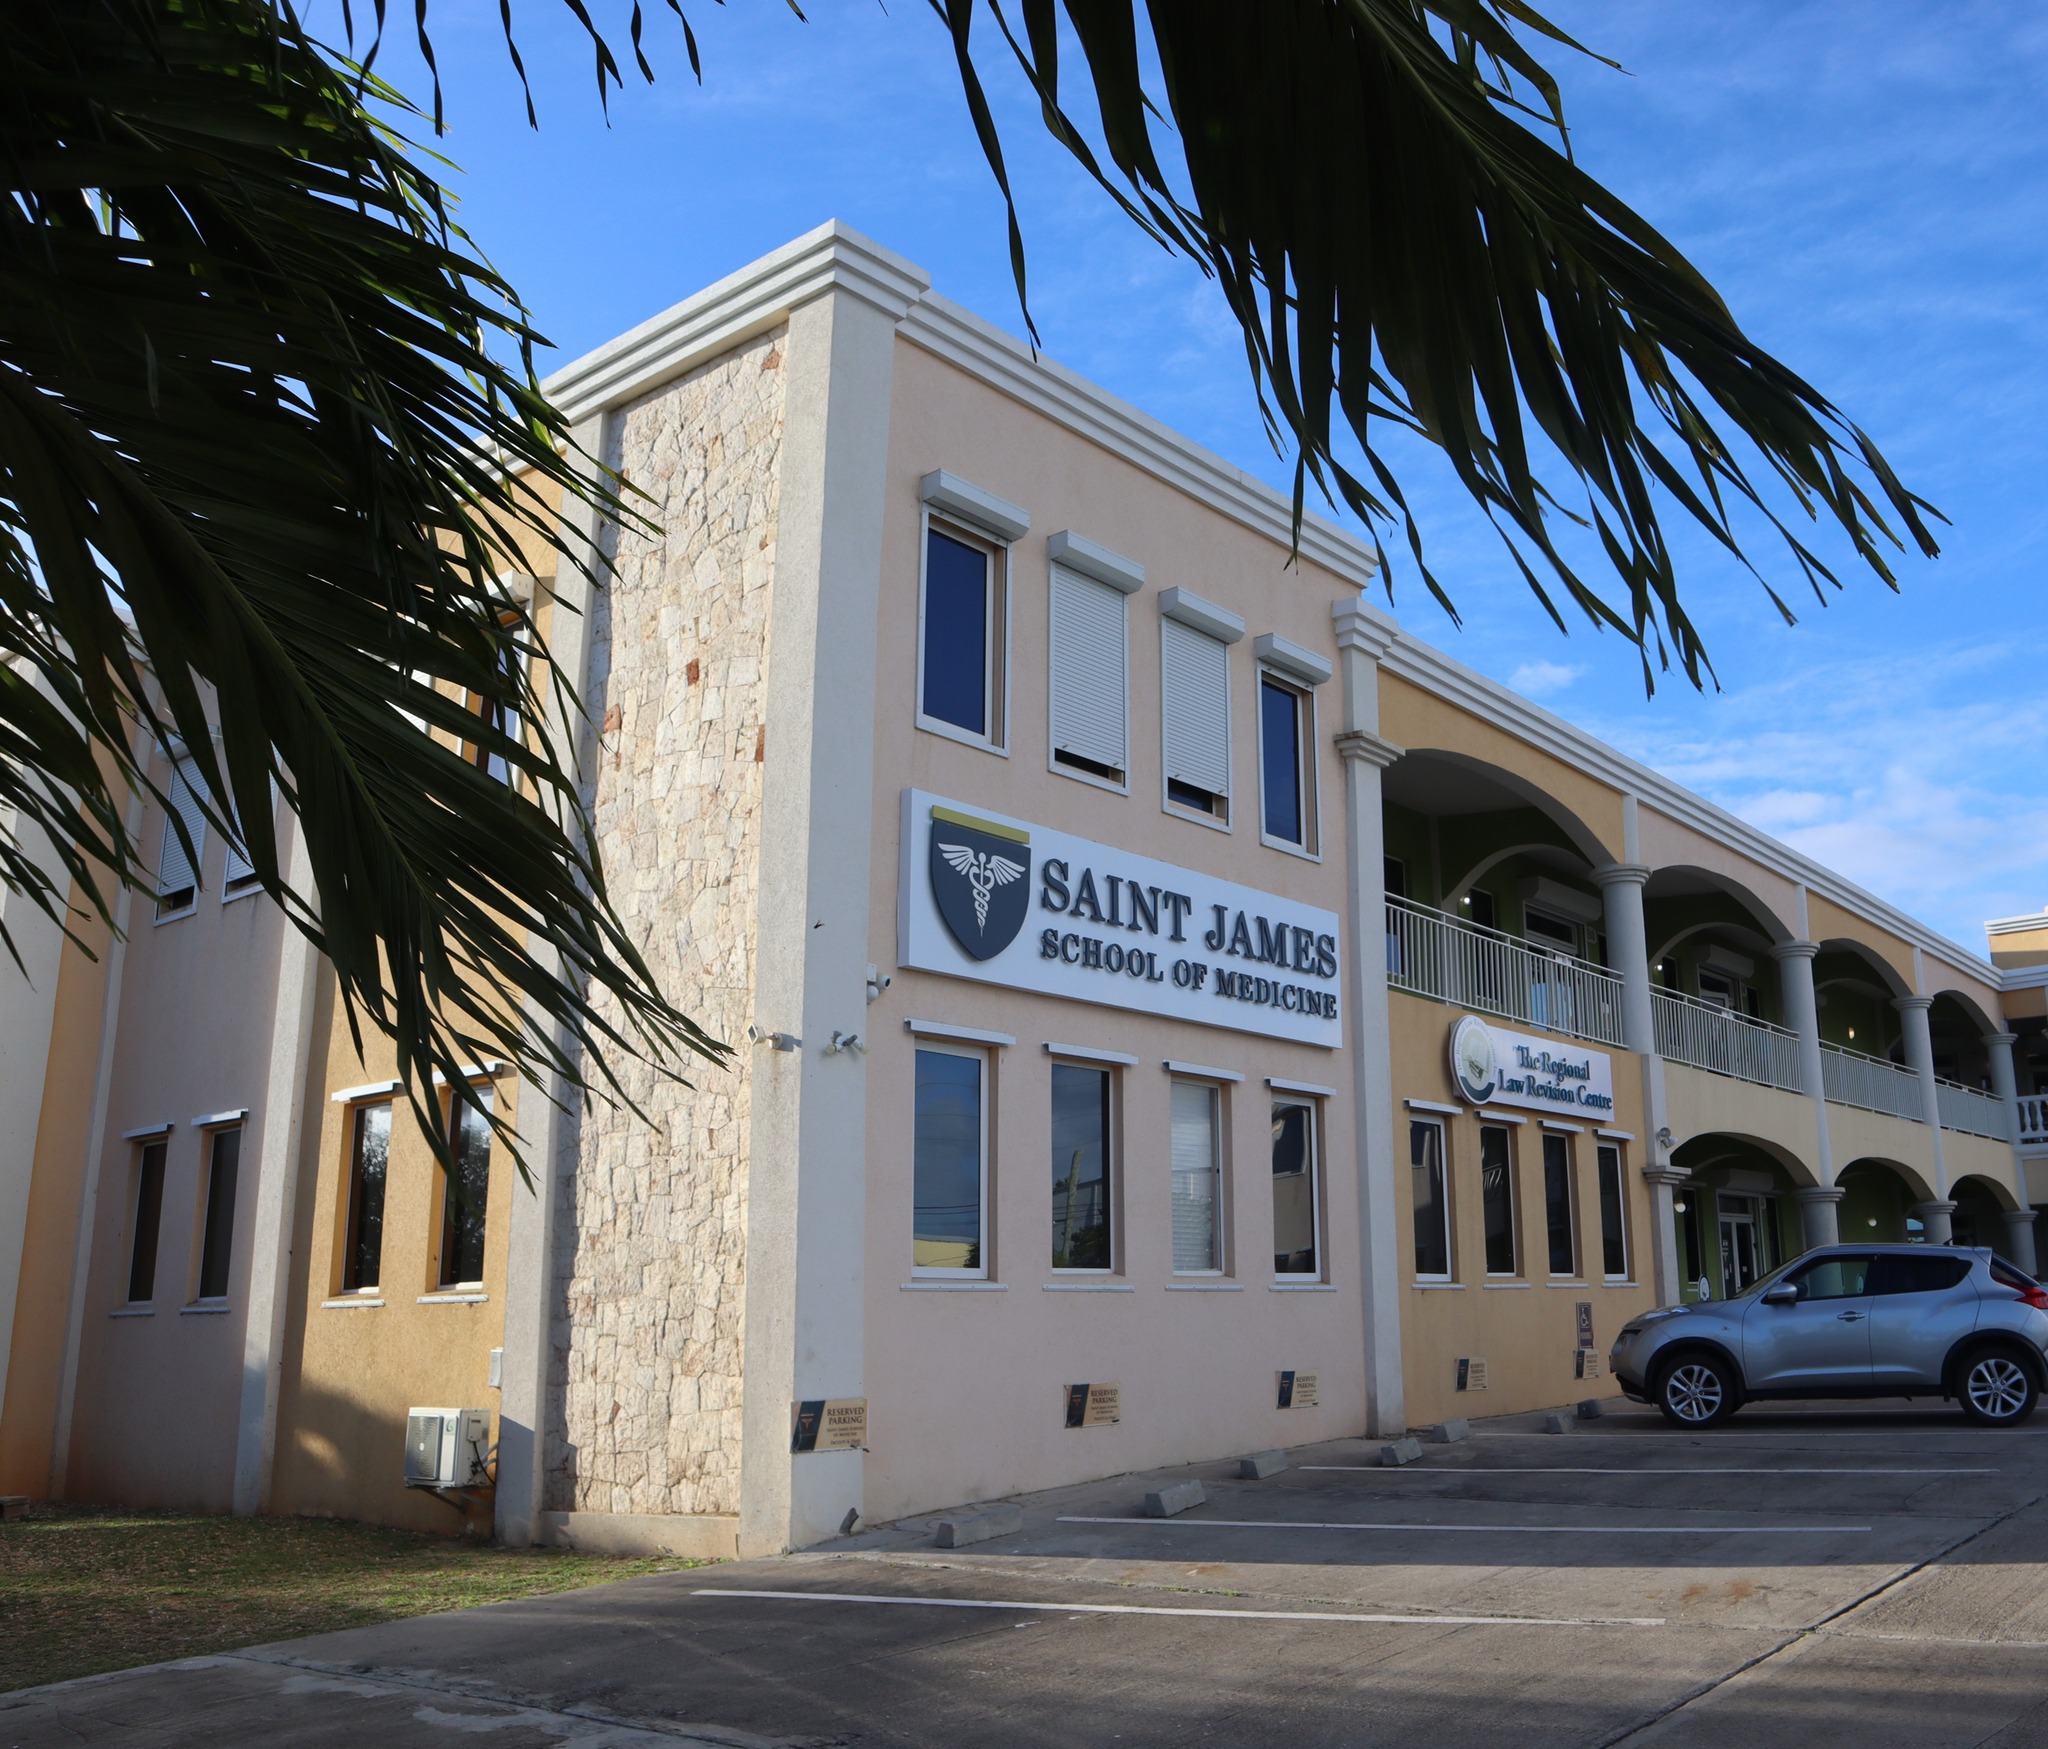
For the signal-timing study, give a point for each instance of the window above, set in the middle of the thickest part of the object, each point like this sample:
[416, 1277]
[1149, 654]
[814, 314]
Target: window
[465, 1196]
[960, 654]
[363, 1240]
[1497, 1198]
[949, 1164]
[1552, 931]
[240, 875]
[1716, 989]
[1432, 1207]
[1479, 904]
[1396, 877]
[149, 1219]
[1613, 1215]
[1557, 1205]
[1195, 713]
[495, 714]
[1197, 1179]
[1296, 1189]
[1893, 1274]
[177, 871]
[1082, 1235]
[1287, 778]
[224, 1160]
[1832, 1278]
[1090, 677]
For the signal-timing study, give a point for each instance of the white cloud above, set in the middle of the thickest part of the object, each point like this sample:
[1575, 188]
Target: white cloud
[1534, 679]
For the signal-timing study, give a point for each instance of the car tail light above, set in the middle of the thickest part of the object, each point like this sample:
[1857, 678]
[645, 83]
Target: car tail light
[2037, 1297]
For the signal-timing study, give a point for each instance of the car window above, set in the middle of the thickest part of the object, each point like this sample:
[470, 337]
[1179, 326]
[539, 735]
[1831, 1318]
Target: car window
[1917, 1275]
[2006, 1276]
[1831, 1278]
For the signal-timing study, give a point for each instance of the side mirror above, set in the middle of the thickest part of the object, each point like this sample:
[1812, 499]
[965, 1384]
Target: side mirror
[1783, 1294]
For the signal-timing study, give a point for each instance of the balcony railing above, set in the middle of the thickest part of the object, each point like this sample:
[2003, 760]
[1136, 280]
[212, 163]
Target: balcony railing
[1711, 1037]
[1970, 1109]
[2034, 1120]
[1852, 1078]
[1433, 954]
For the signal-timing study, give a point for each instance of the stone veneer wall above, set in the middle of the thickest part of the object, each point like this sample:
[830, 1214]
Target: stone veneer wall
[651, 1226]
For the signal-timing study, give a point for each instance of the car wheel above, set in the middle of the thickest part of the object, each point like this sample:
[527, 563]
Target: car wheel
[1696, 1390]
[1997, 1388]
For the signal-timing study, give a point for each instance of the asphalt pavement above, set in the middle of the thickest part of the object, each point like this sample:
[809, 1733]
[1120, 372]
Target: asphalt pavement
[1870, 1571]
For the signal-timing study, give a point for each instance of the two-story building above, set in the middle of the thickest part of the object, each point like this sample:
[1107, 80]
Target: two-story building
[1178, 1012]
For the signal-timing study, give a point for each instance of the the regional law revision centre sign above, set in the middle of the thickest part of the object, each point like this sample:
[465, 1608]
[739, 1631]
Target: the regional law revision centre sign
[1002, 901]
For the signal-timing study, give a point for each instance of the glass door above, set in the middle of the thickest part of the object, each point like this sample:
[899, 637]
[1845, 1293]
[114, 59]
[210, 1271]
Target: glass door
[1742, 1257]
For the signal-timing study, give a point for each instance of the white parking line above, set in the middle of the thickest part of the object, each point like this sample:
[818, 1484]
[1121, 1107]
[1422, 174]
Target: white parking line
[1609, 1470]
[1434, 1621]
[1497, 1529]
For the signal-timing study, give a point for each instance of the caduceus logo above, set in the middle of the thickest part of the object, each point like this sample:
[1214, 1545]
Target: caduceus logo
[979, 871]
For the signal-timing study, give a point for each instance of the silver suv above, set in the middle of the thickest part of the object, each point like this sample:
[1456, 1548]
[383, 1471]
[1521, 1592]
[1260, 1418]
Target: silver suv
[1849, 1321]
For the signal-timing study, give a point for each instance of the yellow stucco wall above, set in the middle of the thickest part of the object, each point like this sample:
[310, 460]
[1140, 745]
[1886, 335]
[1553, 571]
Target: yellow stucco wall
[1525, 1329]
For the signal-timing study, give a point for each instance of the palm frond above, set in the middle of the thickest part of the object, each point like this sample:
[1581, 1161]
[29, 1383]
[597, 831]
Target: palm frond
[260, 473]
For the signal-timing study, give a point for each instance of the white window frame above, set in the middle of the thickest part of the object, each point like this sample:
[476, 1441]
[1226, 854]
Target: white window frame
[211, 1134]
[1304, 694]
[1601, 1146]
[1219, 1119]
[1443, 1161]
[1211, 621]
[1089, 562]
[243, 884]
[986, 1058]
[1313, 1107]
[1001, 555]
[1112, 1164]
[1517, 1236]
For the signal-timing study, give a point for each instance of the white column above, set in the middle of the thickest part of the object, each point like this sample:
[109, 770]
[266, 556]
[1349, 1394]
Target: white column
[279, 1158]
[1934, 1216]
[807, 1175]
[1819, 1222]
[1802, 1017]
[2005, 1083]
[544, 1117]
[2019, 1238]
[1364, 635]
[1628, 955]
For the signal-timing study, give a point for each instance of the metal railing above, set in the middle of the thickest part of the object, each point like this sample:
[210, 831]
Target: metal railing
[1430, 953]
[1970, 1109]
[2034, 1119]
[1711, 1037]
[1854, 1078]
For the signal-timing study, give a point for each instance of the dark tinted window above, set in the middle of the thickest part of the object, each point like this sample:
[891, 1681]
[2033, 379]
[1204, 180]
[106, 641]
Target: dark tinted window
[1832, 1278]
[149, 1214]
[1917, 1275]
[956, 615]
[1280, 747]
[1497, 1195]
[1080, 1168]
[220, 1214]
[2007, 1276]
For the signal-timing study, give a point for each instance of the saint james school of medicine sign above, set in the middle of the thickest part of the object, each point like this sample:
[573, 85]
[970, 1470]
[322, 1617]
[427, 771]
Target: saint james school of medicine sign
[1005, 902]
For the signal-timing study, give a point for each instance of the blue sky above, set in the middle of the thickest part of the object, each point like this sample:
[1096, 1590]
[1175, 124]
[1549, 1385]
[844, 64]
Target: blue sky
[1867, 184]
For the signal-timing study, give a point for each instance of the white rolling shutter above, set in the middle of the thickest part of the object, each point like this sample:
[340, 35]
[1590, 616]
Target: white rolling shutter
[1196, 1226]
[1089, 670]
[1196, 687]
[174, 873]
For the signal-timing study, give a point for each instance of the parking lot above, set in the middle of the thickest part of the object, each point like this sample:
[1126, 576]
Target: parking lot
[1875, 1569]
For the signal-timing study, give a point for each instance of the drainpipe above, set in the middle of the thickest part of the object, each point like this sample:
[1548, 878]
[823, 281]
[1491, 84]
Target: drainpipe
[1364, 635]
[1934, 1216]
[1818, 1204]
[1628, 952]
[2019, 1222]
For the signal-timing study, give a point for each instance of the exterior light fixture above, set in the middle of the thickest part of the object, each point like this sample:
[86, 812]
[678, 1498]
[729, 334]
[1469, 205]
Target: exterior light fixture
[1678, 1208]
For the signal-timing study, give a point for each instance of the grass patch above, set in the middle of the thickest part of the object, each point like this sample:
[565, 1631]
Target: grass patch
[85, 1588]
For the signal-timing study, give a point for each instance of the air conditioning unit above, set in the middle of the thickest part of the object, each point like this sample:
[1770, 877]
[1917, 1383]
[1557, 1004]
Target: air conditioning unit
[447, 1448]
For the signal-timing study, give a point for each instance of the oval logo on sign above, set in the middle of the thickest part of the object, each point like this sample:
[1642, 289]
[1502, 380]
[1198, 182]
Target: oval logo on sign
[1473, 1064]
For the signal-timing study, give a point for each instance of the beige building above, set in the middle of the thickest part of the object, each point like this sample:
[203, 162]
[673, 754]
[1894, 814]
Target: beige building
[1178, 1012]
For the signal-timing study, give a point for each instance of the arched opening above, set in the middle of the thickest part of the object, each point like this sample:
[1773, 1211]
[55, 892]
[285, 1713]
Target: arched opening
[1738, 1218]
[1489, 848]
[1981, 1204]
[1711, 938]
[1957, 1027]
[1877, 1203]
[1854, 989]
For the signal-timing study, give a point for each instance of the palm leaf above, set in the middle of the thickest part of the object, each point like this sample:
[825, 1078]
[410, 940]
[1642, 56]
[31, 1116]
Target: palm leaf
[259, 475]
